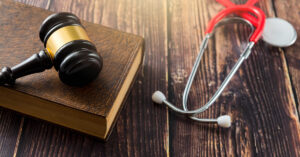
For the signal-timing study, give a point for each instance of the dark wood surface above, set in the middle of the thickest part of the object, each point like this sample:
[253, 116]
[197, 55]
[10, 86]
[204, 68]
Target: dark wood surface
[262, 98]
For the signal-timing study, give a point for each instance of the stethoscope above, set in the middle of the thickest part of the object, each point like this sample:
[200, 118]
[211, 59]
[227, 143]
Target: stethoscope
[257, 24]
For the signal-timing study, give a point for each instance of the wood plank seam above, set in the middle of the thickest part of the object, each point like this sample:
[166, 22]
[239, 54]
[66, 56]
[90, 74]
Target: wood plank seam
[293, 90]
[19, 136]
[167, 75]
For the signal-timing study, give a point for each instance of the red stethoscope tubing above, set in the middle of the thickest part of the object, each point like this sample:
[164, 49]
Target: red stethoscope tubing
[241, 9]
[247, 16]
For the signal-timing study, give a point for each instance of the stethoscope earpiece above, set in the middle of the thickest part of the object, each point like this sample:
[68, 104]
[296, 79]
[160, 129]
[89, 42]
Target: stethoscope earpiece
[158, 97]
[224, 121]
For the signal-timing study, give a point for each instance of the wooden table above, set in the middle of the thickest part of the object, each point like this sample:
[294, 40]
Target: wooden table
[262, 98]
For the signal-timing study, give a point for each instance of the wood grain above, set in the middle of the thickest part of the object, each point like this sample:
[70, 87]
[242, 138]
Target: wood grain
[258, 98]
[142, 126]
[290, 12]
[10, 123]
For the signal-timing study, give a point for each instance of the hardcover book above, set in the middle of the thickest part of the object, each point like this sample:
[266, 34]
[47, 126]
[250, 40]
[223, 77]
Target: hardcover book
[92, 109]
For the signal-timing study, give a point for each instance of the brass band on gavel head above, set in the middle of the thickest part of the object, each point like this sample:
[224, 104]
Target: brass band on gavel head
[73, 54]
[63, 36]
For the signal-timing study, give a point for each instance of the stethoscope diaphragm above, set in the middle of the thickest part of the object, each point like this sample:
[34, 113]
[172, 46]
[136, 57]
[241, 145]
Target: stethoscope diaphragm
[279, 32]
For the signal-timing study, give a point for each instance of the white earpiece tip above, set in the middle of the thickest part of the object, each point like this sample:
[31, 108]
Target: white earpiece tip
[224, 121]
[158, 97]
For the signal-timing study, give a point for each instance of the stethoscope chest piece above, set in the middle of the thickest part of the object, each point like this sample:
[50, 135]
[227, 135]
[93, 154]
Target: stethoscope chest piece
[279, 32]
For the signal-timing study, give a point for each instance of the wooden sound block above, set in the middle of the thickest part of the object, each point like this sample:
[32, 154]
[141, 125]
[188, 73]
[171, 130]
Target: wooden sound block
[91, 109]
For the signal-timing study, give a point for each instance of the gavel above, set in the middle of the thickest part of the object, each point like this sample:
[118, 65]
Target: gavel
[67, 48]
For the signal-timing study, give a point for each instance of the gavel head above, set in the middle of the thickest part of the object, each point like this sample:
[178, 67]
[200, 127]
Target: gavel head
[73, 54]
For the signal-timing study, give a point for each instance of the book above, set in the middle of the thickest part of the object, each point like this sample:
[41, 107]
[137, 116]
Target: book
[92, 109]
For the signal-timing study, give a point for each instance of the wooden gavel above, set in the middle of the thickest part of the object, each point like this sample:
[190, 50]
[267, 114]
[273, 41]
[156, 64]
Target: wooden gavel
[67, 48]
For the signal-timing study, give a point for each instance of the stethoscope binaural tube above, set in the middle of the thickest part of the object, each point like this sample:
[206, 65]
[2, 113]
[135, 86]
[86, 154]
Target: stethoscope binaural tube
[247, 16]
[225, 120]
[240, 9]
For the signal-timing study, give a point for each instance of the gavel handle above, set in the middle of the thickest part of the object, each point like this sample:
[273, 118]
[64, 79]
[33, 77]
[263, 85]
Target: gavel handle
[36, 63]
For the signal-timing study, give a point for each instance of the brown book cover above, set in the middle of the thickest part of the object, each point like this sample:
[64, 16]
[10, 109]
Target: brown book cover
[91, 109]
